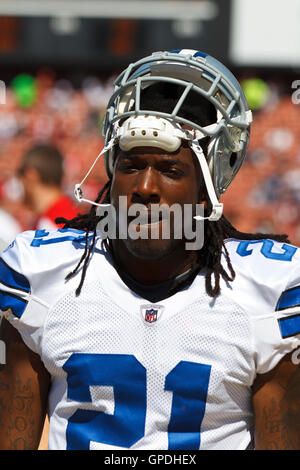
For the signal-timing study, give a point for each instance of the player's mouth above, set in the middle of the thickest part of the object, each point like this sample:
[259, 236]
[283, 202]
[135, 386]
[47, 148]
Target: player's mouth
[148, 217]
[149, 224]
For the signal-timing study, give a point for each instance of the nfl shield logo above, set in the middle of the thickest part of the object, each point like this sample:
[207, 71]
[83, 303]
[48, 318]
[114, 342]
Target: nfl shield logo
[151, 315]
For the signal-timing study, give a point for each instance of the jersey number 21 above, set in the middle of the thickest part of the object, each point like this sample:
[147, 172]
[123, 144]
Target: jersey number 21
[187, 380]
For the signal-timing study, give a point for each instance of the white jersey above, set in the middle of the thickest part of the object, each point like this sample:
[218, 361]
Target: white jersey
[131, 374]
[9, 227]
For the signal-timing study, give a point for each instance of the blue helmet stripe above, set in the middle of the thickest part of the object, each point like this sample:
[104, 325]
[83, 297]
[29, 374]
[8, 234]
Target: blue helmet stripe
[196, 54]
[200, 54]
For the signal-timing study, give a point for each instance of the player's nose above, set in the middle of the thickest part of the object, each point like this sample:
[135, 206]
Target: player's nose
[146, 189]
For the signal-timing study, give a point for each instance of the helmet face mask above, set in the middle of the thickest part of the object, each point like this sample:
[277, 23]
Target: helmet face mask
[191, 71]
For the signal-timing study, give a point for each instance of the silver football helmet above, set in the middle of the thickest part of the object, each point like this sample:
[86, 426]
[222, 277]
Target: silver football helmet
[129, 125]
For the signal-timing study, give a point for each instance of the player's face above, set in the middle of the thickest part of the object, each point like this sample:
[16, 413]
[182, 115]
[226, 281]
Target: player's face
[155, 178]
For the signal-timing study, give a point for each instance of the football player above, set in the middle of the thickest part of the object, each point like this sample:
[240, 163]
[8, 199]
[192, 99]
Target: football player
[141, 342]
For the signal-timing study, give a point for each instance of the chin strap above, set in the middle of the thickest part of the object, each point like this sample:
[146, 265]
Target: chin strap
[78, 191]
[217, 207]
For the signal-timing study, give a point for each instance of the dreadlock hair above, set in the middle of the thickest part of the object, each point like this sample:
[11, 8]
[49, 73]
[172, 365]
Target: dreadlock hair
[163, 96]
[87, 222]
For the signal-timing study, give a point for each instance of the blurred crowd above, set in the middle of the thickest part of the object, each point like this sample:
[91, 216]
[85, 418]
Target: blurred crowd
[265, 196]
[43, 109]
[47, 110]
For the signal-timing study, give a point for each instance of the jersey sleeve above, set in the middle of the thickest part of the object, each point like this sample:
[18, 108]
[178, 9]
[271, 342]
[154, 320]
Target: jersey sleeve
[25, 311]
[288, 307]
[279, 334]
[268, 286]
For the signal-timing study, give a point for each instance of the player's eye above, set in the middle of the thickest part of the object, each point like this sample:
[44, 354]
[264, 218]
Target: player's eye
[172, 172]
[127, 166]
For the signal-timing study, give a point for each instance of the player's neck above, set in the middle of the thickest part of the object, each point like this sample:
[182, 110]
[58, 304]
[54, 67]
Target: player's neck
[153, 271]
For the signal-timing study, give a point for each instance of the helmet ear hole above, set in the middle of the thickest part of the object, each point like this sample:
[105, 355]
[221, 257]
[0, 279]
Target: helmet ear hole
[233, 159]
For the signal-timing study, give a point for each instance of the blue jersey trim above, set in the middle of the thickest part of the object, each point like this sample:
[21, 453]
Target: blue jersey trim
[289, 298]
[15, 303]
[12, 278]
[289, 326]
[36, 242]
[40, 237]
[243, 249]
